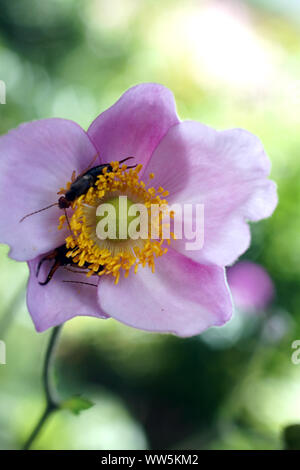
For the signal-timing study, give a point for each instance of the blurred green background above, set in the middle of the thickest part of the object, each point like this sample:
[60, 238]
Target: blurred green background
[229, 64]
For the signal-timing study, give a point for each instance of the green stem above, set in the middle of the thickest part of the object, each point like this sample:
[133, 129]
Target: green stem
[52, 401]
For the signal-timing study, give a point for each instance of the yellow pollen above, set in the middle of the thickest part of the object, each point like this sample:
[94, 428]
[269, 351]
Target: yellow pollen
[113, 256]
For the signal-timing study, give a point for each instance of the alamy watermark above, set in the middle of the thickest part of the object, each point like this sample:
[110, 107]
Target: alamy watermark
[295, 358]
[137, 221]
[2, 352]
[2, 92]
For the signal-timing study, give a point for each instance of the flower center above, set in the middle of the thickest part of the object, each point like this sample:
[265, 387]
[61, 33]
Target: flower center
[106, 234]
[118, 217]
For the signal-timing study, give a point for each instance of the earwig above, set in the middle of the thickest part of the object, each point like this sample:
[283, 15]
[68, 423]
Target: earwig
[59, 255]
[79, 186]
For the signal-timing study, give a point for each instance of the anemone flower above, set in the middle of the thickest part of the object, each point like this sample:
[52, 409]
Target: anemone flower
[154, 285]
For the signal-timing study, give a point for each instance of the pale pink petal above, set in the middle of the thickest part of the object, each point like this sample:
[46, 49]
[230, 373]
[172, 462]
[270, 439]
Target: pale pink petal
[181, 297]
[36, 160]
[227, 172]
[251, 286]
[135, 124]
[58, 301]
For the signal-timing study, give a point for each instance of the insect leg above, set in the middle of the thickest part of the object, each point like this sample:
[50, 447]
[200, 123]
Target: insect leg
[67, 219]
[48, 257]
[51, 272]
[90, 166]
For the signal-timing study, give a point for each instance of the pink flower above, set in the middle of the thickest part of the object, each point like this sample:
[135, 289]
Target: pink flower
[251, 286]
[224, 170]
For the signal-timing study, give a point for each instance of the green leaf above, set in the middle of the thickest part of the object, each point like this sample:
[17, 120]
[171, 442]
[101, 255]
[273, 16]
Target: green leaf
[76, 404]
[291, 437]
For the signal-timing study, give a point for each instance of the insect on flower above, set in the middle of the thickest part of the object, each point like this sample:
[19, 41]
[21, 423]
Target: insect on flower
[80, 185]
[61, 258]
[151, 283]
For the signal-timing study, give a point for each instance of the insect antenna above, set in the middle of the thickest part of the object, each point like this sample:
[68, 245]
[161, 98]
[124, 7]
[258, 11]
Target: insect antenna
[125, 159]
[74, 270]
[79, 282]
[36, 212]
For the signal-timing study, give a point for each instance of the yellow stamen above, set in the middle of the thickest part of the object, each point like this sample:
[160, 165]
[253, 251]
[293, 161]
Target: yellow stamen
[61, 222]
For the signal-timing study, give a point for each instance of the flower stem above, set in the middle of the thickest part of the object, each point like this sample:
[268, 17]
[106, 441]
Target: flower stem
[52, 401]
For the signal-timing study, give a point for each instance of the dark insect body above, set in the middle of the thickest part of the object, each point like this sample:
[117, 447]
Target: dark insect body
[59, 255]
[80, 186]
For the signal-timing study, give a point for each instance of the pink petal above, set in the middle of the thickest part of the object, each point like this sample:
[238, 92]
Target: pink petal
[251, 286]
[36, 160]
[181, 297]
[227, 172]
[135, 124]
[59, 301]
